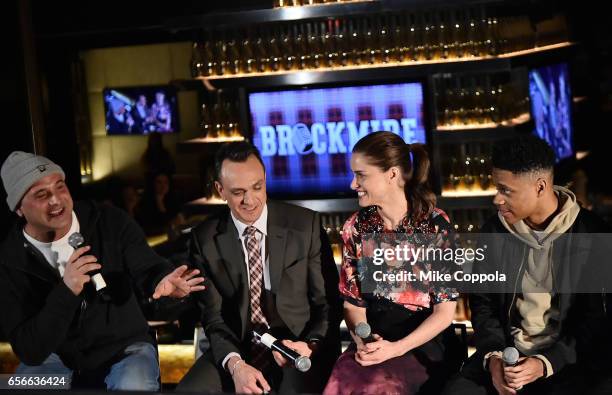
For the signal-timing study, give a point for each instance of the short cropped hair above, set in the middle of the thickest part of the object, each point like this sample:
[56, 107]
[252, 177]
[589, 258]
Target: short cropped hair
[235, 152]
[524, 154]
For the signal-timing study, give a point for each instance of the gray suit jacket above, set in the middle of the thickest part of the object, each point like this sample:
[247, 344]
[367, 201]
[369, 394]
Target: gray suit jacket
[303, 284]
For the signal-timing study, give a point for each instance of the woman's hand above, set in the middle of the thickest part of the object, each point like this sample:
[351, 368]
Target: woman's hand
[377, 351]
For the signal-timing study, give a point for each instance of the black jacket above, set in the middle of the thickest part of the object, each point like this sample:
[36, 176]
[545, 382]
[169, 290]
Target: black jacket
[582, 336]
[40, 315]
[303, 277]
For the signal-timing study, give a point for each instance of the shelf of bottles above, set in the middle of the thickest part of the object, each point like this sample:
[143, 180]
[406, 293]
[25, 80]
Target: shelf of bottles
[469, 220]
[466, 169]
[219, 119]
[471, 101]
[373, 40]
[299, 3]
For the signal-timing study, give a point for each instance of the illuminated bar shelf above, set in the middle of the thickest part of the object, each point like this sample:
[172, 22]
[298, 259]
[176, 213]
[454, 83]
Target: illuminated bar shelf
[385, 71]
[479, 133]
[461, 193]
[196, 145]
[208, 140]
[520, 120]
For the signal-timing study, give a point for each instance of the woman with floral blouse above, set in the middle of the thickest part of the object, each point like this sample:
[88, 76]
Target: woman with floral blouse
[408, 319]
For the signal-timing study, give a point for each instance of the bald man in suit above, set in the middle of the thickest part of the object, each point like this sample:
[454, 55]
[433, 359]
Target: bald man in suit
[268, 267]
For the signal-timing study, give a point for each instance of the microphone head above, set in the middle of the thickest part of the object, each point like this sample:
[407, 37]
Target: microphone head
[303, 363]
[363, 330]
[510, 356]
[76, 240]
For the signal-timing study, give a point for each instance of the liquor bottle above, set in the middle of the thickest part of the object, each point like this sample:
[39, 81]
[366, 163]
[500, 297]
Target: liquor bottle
[491, 36]
[230, 126]
[206, 124]
[342, 42]
[484, 176]
[384, 39]
[356, 42]
[413, 38]
[430, 45]
[462, 102]
[449, 107]
[207, 57]
[300, 43]
[371, 48]
[235, 114]
[468, 176]
[287, 50]
[249, 63]
[493, 101]
[221, 56]
[457, 34]
[473, 39]
[198, 67]
[327, 43]
[219, 116]
[398, 37]
[314, 45]
[234, 61]
[478, 101]
[441, 101]
[260, 51]
[456, 173]
[445, 43]
[274, 54]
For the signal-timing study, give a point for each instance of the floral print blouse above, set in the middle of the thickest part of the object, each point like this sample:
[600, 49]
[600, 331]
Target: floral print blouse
[414, 296]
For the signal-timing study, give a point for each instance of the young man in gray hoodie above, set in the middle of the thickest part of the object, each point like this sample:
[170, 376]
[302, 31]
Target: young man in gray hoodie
[555, 330]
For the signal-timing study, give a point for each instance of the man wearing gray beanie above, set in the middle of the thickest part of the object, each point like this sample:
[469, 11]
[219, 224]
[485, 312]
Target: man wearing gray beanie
[54, 317]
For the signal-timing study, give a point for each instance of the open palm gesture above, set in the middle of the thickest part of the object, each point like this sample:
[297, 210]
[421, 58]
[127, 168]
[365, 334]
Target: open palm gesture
[180, 283]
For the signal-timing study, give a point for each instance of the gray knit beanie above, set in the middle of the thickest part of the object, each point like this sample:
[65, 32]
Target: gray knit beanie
[21, 170]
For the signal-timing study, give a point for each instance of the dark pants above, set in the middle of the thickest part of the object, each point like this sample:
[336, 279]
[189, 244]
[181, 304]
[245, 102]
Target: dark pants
[474, 380]
[206, 376]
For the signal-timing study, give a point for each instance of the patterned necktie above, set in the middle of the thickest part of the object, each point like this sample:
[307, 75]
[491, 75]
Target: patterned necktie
[259, 355]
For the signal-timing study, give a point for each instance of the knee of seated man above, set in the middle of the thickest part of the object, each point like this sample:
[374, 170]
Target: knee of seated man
[138, 371]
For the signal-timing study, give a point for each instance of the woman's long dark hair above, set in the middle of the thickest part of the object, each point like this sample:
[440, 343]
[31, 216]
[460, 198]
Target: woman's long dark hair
[385, 150]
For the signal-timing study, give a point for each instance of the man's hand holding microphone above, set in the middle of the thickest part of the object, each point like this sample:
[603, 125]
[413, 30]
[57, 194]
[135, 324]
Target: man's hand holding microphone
[78, 267]
[511, 372]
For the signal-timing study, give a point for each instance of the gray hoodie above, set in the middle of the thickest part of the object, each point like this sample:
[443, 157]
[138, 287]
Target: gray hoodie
[539, 315]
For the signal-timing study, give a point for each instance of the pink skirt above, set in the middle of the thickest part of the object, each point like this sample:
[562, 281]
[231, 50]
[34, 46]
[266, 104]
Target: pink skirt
[402, 376]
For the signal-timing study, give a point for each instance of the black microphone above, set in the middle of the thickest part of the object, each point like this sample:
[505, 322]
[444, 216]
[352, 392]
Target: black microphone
[300, 362]
[364, 331]
[76, 240]
[510, 357]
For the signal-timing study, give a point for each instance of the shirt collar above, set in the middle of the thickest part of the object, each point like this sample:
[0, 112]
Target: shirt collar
[261, 224]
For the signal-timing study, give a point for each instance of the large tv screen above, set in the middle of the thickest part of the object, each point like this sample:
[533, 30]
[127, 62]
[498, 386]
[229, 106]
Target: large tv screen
[140, 110]
[306, 136]
[551, 102]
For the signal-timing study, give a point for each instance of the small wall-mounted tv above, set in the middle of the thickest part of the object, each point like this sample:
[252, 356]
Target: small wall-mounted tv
[551, 107]
[140, 110]
[306, 135]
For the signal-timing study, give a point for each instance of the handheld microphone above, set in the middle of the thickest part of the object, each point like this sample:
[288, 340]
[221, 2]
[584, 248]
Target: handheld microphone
[510, 357]
[76, 240]
[364, 331]
[300, 362]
